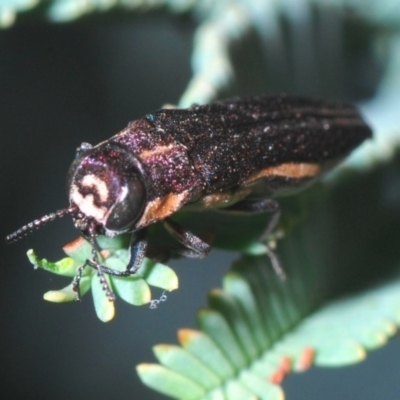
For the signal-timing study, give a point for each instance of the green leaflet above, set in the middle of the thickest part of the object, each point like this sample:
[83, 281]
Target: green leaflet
[135, 290]
[170, 382]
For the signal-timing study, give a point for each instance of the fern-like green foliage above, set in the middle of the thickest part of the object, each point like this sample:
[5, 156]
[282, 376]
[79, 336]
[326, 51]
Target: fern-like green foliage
[250, 339]
[257, 328]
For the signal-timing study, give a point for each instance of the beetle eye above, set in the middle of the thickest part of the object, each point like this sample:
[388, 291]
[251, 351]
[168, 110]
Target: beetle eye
[128, 207]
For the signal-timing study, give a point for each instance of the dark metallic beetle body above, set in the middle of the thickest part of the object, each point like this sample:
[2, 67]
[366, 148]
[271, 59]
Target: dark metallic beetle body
[202, 153]
[235, 154]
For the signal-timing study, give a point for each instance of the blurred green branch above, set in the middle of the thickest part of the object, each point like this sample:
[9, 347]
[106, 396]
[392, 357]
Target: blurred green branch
[223, 23]
[285, 323]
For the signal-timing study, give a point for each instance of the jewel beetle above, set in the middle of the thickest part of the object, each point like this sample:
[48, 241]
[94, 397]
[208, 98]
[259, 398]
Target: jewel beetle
[235, 155]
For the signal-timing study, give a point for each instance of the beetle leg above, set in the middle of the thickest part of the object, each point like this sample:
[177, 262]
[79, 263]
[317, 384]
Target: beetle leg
[77, 281]
[255, 206]
[195, 247]
[94, 263]
[137, 251]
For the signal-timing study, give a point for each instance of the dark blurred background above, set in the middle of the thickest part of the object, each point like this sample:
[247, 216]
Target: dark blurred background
[61, 85]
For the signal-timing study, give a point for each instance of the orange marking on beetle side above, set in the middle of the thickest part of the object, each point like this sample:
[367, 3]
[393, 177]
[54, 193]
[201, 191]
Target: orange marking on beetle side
[220, 199]
[287, 170]
[162, 207]
[156, 151]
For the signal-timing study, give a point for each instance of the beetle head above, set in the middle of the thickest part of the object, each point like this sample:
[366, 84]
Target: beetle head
[107, 193]
[106, 189]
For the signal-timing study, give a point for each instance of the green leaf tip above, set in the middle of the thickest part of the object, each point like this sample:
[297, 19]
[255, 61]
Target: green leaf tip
[65, 267]
[135, 289]
[169, 382]
[159, 275]
[184, 362]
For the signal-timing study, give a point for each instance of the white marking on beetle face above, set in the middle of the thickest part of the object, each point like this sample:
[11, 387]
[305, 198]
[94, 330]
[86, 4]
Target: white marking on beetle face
[87, 205]
[97, 185]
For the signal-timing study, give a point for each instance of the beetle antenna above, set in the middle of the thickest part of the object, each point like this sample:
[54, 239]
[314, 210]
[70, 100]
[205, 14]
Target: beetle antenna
[37, 223]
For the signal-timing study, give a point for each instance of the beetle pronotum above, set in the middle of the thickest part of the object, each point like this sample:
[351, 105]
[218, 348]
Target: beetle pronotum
[237, 155]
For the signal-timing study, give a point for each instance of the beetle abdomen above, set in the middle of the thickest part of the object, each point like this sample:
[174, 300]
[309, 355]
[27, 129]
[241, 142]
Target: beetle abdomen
[231, 142]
